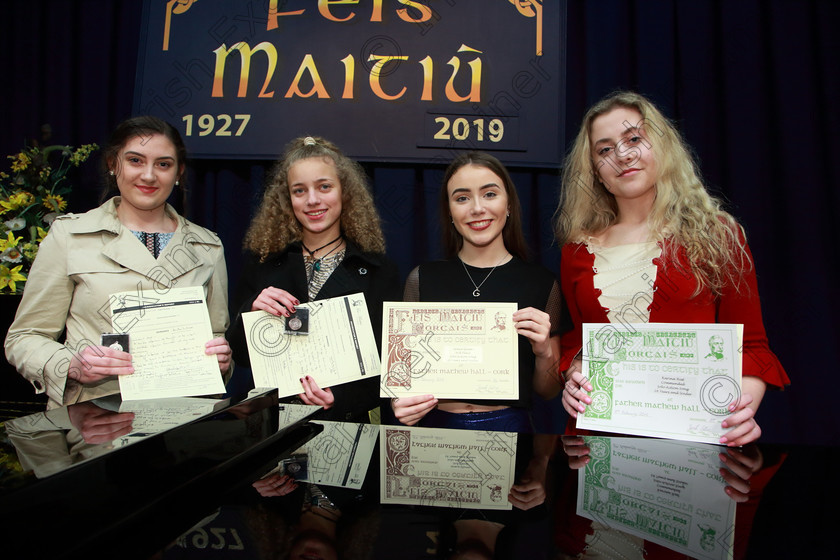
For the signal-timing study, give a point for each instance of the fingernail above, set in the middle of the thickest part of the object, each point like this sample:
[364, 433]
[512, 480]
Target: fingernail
[301, 379]
[307, 378]
[723, 439]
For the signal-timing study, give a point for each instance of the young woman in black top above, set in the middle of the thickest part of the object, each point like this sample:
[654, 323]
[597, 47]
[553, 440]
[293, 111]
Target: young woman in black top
[486, 261]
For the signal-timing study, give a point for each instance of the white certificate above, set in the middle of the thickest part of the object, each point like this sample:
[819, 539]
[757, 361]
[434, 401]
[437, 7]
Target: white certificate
[667, 492]
[450, 350]
[167, 333]
[339, 348]
[154, 416]
[446, 468]
[341, 454]
[672, 381]
[291, 413]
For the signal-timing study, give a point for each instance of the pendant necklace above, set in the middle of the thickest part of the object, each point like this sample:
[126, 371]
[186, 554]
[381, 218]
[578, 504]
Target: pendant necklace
[477, 291]
[316, 265]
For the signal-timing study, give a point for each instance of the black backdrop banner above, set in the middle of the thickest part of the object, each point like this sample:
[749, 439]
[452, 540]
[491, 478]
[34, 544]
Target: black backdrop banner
[388, 80]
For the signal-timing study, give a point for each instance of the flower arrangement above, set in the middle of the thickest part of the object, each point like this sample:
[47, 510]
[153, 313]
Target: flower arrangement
[31, 197]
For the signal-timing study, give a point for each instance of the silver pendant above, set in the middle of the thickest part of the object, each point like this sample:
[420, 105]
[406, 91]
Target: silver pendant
[476, 293]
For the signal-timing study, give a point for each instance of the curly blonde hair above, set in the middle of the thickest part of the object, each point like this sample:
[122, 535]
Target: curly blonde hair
[275, 226]
[684, 214]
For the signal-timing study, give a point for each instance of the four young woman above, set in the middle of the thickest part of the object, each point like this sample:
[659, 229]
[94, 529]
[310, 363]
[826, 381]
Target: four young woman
[635, 224]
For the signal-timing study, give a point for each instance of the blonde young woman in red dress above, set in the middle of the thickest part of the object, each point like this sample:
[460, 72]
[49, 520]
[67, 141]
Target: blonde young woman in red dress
[642, 240]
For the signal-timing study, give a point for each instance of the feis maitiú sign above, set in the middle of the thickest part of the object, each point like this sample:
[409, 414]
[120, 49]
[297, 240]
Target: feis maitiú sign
[396, 80]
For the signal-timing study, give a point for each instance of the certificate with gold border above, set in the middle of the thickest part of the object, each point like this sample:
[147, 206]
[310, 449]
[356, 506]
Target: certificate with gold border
[449, 350]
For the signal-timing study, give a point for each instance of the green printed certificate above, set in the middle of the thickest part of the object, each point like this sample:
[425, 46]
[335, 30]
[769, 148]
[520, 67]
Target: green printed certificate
[666, 492]
[670, 380]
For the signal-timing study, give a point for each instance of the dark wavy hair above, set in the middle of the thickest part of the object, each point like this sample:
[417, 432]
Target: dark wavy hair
[511, 234]
[132, 128]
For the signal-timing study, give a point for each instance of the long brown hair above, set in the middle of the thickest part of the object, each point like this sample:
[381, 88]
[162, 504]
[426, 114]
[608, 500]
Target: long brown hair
[512, 235]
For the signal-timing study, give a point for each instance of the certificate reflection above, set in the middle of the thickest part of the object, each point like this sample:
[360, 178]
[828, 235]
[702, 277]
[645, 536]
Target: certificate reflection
[463, 469]
[638, 491]
[48, 442]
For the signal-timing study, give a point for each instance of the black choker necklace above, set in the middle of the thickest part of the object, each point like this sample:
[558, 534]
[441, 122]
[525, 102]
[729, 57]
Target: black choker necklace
[317, 264]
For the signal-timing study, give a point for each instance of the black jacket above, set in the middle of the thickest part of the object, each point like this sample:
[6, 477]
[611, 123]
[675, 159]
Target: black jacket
[373, 274]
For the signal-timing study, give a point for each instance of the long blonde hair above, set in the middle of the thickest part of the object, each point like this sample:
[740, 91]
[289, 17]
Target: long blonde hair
[684, 214]
[275, 226]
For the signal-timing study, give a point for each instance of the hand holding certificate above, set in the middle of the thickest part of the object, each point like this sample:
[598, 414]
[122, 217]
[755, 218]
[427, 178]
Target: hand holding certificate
[450, 350]
[673, 381]
[168, 332]
[340, 346]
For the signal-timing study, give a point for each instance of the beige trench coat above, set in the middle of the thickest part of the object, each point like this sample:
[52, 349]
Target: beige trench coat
[84, 259]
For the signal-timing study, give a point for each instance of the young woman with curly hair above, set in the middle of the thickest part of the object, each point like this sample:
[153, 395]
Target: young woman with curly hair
[643, 240]
[316, 235]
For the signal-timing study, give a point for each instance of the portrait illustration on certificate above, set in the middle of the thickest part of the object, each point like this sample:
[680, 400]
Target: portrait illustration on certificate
[667, 492]
[670, 380]
[446, 468]
[450, 350]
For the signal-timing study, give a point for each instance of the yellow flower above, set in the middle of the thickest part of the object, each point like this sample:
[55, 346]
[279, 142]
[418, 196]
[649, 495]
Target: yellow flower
[45, 173]
[18, 200]
[20, 161]
[30, 251]
[42, 233]
[24, 197]
[8, 277]
[82, 153]
[54, 203]
[10, 242]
